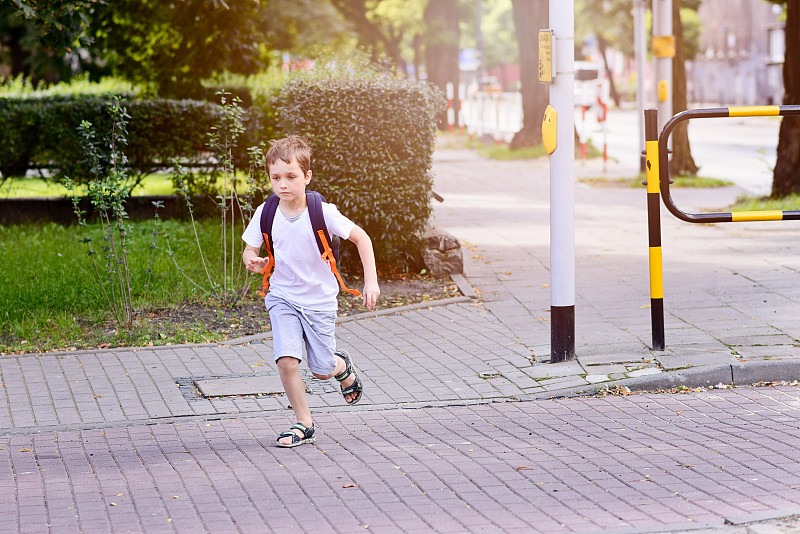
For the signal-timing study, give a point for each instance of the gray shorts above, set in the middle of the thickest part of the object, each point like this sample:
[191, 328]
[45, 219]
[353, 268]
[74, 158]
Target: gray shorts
[294, 327]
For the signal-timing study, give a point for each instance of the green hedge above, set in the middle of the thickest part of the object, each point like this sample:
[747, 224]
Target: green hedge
[43, 131]
[372, 145]
[372, 139]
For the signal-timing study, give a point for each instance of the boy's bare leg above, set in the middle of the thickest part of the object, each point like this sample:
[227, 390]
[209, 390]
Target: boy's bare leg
[340, 368]
[295, 389]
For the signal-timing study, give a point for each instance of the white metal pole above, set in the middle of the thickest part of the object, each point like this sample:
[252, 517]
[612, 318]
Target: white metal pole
[562, 185]
[663, 51]
[640, 49]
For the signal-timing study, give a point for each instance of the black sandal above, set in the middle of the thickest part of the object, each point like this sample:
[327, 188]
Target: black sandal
[356, 387]
[308, 436]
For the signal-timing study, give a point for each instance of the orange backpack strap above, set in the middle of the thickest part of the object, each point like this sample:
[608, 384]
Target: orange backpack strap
[267, 271]
[328, 256]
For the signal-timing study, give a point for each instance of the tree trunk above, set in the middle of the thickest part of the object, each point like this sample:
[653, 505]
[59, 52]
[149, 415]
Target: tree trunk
[682, 160]
[529, 17]
[19, 56]
[441, 51]
[786, 178]
[602, 47]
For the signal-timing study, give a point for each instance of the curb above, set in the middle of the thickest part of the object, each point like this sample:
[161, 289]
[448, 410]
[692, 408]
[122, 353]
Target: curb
[466, 289]
[736, 374]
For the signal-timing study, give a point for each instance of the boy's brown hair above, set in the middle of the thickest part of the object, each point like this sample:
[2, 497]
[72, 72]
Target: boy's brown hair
[291, 147]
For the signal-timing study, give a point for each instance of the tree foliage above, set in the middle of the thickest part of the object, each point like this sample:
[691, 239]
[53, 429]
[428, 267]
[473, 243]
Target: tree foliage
[61, 23]
[498, 22]
[173, 45]
[382, 26]
[35, 36]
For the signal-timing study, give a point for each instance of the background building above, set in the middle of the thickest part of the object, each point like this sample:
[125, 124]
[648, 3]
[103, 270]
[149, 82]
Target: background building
[741, 54]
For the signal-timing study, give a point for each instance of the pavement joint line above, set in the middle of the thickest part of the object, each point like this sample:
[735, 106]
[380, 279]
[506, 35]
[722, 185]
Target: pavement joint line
[173, 419]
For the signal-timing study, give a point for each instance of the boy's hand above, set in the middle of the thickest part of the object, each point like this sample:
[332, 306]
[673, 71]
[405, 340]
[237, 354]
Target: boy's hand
[256, 264]
[370, 295]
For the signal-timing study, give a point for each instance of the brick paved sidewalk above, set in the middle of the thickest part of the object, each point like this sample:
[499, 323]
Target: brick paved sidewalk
[642, 463]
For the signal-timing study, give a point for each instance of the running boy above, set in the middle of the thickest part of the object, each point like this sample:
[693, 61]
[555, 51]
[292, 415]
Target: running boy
[302, 294]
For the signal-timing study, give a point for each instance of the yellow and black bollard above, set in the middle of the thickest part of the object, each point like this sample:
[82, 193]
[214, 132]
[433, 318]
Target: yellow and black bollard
[652, 165]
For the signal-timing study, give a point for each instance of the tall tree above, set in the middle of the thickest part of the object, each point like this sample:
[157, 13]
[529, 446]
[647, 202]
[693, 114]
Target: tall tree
[682, 160]
[441, 51]
[174, 45]
[786, 177]
[37, 35]
[529, 17]
[61, 23]
[611, 23]
[382, 26]
[500, 48]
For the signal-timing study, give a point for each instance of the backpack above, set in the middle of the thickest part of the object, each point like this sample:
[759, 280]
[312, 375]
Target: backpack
[328, 248]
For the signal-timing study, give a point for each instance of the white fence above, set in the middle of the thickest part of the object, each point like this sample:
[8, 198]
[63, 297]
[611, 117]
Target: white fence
[495, 114]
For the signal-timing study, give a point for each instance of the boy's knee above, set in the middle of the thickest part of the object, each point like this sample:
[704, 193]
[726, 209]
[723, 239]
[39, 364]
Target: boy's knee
[288, 363]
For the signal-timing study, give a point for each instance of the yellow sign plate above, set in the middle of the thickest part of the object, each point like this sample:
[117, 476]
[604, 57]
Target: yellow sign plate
[546, 56]
[664, 45]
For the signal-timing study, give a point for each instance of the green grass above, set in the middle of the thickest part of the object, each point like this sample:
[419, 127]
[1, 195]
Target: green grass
[501, 151]
[792, 203]
[50, 296]
[152, 184]
[504, 153]
[677, 181]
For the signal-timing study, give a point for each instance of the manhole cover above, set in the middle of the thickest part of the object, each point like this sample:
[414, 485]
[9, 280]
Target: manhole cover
[246, 385]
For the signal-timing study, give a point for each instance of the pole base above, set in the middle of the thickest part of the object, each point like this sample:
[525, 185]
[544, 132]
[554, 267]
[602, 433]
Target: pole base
[562, 333]
[657, 322]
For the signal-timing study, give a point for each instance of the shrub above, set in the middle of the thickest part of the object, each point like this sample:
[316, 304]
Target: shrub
[372, 142]
[43, 131]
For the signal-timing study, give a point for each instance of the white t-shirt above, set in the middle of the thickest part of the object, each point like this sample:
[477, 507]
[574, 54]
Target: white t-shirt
[301, 276]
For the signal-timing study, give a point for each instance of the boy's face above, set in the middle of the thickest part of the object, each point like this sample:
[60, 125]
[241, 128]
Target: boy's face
[288, 180]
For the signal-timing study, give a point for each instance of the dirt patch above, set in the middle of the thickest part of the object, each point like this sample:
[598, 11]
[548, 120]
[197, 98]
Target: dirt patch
[250, 317]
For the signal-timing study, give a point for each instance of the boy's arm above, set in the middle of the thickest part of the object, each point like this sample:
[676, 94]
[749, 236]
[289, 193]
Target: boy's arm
[252, 260]
[364, 244]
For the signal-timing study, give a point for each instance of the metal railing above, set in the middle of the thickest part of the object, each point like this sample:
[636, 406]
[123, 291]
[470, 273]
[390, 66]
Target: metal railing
[658, 181]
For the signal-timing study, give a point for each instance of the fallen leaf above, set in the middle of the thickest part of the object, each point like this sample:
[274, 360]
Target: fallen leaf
[112, 504]
[25, 450]
[349, 485]
[521, 467]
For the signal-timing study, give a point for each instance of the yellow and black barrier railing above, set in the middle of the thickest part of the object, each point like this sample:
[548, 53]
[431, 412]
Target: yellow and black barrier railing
[658, 180]
[736, 216]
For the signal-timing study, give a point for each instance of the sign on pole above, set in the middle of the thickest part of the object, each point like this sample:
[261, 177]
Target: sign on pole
[546, 56]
